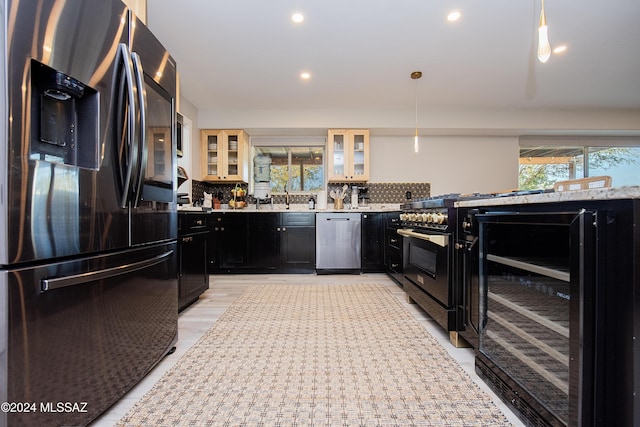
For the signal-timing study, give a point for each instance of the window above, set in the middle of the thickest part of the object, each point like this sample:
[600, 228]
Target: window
[620, 163]
[543, 165]
[294, 168]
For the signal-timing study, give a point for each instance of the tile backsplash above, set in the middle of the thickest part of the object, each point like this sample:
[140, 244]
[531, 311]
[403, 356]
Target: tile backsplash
[379, 192]
[389, 192]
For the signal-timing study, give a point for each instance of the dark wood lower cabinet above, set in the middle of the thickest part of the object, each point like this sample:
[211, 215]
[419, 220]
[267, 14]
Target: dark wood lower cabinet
[282, 242]
[393, 249]
[373, 242]
[285, 242]
[227, 248]
[264, 241]
[193, 278]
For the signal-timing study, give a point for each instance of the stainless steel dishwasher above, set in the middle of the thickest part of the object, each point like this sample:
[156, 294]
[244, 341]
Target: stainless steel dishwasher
[338, 242]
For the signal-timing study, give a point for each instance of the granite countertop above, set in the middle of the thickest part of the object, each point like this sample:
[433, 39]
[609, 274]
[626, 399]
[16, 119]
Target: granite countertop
[294, 208]
[630, 192]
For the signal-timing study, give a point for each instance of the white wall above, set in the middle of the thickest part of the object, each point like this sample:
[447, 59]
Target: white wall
[462, 151]
[450, 164]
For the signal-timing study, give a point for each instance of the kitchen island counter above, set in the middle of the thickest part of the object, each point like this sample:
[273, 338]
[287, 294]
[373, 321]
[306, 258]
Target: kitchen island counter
[609, 193]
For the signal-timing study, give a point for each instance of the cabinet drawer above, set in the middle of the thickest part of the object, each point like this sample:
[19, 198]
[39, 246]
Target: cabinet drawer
[196, 221]
[394, 240]
[298, 218]
[394, 262]
[188, 223]
[393, 220]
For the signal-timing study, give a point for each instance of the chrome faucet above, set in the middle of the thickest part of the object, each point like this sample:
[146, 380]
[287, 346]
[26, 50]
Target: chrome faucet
[286, 197]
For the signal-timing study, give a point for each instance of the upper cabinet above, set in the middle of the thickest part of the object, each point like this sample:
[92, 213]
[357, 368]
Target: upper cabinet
[348, 155]
[225, 155]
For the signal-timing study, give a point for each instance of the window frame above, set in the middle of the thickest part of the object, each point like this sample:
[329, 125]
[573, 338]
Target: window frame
[578, 148]
[289, 143]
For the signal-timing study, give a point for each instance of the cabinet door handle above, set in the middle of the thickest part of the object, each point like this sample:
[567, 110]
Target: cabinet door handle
[277, 228]
[284, 229]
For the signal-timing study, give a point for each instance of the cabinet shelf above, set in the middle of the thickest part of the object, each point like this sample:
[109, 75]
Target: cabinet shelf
[545, 267]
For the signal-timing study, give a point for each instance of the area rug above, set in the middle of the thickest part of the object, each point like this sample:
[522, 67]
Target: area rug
[316, 355]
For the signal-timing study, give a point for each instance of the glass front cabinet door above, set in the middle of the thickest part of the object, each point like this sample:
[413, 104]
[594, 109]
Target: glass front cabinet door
[225, 155]
[348, 155]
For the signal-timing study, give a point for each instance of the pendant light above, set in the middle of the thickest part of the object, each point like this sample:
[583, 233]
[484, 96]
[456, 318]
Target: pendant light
[544, 48]
[415, 76]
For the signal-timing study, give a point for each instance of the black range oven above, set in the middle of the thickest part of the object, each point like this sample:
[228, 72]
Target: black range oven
[428, 227]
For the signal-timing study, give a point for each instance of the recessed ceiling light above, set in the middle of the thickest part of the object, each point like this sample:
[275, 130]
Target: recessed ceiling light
[297, 17]
[305, 76]
[560, 49]
[453, 16]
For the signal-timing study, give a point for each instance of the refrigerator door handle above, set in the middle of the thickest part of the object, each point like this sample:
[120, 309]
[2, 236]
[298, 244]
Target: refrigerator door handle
[62, 282]
[129, 154]
[142, 123]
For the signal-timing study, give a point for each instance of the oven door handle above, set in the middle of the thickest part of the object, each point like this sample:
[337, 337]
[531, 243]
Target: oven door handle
[438, 239]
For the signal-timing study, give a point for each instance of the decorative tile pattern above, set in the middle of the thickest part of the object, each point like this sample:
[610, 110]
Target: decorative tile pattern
[316, 354]
[379, 192]
[394, 192]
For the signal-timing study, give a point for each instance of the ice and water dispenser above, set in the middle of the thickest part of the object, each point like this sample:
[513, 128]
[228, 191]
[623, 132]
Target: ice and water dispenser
[65, 125]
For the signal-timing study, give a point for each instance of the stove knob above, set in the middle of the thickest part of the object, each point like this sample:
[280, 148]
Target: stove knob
[423, 217]
[428, 218]
[440, 218]
[412, 217]
[403, 217]
[445, 218]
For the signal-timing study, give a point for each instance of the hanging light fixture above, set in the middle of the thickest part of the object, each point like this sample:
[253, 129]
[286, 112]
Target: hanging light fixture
[415, 76]
[544, 48]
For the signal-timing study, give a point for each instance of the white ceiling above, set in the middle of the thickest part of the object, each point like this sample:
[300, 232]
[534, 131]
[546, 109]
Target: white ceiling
[360, 53]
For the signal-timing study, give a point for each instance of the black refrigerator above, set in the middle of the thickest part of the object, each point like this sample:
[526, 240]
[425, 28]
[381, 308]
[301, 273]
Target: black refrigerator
[88, 223]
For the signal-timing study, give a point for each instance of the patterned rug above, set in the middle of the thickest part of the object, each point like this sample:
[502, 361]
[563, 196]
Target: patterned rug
[316, 355]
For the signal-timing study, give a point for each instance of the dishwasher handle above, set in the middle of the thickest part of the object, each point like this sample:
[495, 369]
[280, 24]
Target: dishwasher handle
[338, 219]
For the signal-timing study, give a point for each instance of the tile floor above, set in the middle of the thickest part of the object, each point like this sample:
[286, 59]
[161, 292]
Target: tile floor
[224, 289]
